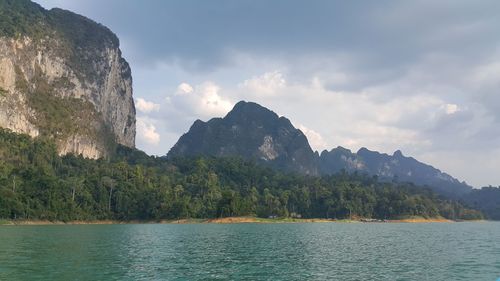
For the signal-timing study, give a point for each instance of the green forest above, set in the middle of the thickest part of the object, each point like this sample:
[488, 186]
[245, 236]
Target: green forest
[37, 184]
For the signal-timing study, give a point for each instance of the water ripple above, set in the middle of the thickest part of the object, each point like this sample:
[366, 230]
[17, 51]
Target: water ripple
[460, 251]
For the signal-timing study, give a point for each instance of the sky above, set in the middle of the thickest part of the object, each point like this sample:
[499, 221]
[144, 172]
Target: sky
[420, 76]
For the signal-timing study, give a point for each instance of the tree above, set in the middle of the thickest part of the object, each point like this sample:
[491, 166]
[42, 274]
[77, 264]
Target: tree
[110, 184]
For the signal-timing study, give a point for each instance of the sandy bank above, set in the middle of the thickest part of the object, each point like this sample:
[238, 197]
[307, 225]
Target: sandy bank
[264, 220]
[421, 220]
[227, 220]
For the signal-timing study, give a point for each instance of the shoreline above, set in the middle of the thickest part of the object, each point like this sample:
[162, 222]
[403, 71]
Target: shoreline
[230, 220]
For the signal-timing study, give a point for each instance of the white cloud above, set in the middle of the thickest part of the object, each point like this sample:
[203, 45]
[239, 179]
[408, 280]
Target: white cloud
[315, 139]
[450, 108]
[211, 101]
[184, 88]
[146, 131]
[266, 84]
[204, 100]
[146, 106]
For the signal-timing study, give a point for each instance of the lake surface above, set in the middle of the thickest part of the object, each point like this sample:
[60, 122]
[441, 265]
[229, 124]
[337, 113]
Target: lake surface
[302, 251]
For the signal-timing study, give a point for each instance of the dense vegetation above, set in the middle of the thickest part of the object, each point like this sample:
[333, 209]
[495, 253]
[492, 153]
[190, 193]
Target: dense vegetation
[487, 200]
[23, 17]
[74, 37]
[35, 183]
[3, 92]
[20, 17]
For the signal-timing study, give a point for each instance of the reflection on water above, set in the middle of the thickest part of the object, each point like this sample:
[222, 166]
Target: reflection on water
[315, 251]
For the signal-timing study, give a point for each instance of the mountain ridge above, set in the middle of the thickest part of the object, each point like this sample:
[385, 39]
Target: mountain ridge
[252, 131]
[392, 167]
[282, 145]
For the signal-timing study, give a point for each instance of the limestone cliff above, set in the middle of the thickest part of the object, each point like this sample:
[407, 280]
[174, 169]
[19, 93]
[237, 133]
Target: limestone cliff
[62, 76]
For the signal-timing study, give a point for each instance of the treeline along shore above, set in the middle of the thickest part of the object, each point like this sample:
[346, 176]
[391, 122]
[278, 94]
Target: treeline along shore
[229, 220]
[36, 184]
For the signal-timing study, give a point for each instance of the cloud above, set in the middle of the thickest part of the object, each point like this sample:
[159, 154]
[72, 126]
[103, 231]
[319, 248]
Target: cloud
[146, 106]
[487, 74]
[451, 108]
[203, 100]
[210, 101]
[315, 139]
[265, 84]
[484, 81]
[184, 88]
[146, 131]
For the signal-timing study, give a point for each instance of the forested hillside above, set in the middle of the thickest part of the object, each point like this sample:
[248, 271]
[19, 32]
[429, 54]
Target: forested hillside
[35, 183]
[486, 199]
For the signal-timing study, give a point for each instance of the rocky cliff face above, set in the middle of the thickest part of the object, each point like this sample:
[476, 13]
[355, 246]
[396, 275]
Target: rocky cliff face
[252, 132]
[62, 76]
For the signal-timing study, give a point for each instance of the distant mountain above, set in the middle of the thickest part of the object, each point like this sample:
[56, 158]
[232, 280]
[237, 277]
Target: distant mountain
[391, 167]
[254, 132]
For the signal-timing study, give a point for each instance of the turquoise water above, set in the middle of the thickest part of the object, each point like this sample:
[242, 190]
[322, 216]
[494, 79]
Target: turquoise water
[309, 251]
